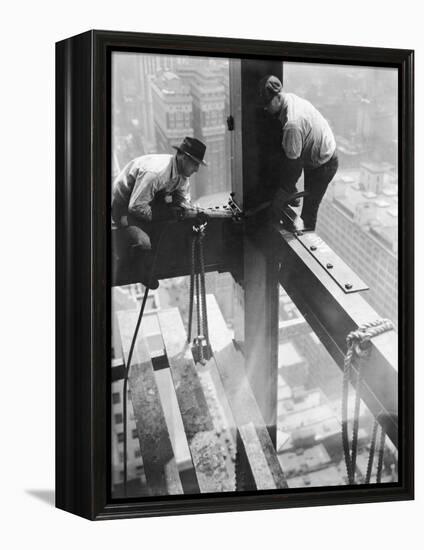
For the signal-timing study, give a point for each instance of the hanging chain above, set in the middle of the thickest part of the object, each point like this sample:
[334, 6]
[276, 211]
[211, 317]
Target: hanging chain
[201, 344]
[358, 343]
[203, 289]
[192, 275]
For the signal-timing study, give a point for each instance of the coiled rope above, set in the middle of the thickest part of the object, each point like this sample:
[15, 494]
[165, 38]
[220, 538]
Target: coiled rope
[358, 346]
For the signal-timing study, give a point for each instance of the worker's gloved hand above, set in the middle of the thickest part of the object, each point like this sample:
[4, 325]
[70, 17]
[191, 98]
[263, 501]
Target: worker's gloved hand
[281, 200]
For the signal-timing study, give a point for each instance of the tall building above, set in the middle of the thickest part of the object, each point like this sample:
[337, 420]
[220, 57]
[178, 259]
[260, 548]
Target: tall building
[124, 298]
[151, 65]
[172, 110]
[128, 118]
[209, 103]
[309, 439]
[358, 219]
[358, 216]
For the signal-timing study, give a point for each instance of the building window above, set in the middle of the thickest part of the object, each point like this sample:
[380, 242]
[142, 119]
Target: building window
[120, 437]
[116, 398]
[134, 434]
[118, 418]
[171, 120]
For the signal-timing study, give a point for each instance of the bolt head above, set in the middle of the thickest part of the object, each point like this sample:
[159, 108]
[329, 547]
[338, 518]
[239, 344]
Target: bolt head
[348, 286]
[329, 266]
[313, 247]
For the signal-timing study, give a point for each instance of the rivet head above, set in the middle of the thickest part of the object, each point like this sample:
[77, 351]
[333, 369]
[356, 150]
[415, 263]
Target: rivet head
[313, 247]
[348, 286]
[329, 266]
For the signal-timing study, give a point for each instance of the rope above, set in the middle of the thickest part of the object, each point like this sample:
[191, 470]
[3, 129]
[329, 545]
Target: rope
[358, 344]
[372, 451]
[130, 354]
[381, 455]
[356, 418]
[124, 391]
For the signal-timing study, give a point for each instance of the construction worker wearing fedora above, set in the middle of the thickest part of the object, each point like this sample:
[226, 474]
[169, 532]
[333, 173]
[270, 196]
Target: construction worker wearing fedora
[308, 144]
[150, 188]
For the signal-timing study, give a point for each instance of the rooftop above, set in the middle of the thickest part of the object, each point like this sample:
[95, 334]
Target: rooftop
[375, 212]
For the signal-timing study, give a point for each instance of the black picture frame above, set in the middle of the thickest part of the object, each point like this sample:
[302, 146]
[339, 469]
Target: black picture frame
[82, 292]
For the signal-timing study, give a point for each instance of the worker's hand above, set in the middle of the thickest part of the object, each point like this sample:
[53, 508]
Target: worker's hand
[279, 203]
[294, 225]
[283, 199]
[176, 212]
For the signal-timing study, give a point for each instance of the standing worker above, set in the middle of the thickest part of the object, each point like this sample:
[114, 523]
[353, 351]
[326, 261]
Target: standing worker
[308, 144]
[147, 190]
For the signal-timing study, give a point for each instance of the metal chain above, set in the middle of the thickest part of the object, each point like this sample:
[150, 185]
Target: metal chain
[197, 280]
[203, 290]
[192, 271]
[357, 344]
[198, 287]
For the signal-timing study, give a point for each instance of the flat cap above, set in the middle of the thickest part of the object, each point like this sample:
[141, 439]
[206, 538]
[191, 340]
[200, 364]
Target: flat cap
[269, 86]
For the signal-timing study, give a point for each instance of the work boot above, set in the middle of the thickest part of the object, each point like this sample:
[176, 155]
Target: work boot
[309, 223]
[309, 213]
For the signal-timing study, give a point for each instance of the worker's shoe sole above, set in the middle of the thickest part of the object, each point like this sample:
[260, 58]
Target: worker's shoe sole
[294, 202]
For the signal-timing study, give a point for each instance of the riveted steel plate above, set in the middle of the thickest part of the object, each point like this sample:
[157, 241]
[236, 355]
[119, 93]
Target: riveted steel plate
[338, 270]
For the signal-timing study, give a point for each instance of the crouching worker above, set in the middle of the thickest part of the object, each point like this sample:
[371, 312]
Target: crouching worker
[308, 144]
[151, 189]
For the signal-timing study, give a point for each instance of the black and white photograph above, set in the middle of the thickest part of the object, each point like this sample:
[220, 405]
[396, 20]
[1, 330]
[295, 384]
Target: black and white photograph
[254, 290]
[211, 237]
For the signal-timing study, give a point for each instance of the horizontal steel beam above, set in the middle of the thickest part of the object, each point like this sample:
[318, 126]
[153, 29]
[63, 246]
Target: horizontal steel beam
[222, 250]
[333, 314]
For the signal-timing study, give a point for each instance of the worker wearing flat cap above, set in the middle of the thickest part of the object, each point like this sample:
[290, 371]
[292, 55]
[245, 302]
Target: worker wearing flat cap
[151, 188]
[308, 144]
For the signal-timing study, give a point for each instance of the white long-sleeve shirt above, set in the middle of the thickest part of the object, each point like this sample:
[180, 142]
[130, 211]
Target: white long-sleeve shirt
[306, 133]
[141, 179]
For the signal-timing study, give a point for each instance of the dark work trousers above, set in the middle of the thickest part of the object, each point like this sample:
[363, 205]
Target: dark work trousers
[316, 183]
[138, 235]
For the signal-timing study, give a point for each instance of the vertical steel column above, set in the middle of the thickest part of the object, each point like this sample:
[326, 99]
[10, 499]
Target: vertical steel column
[255, 171]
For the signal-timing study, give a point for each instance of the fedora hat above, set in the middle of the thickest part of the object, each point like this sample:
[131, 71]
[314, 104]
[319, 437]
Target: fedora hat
[193, 148]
